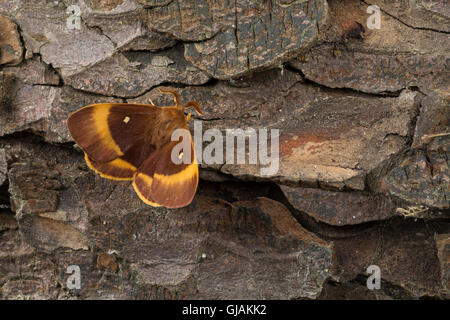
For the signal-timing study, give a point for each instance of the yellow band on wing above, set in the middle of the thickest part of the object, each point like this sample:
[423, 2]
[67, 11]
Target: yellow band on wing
[117, 163]
[147, 180]
[100, 117]
[179, 177]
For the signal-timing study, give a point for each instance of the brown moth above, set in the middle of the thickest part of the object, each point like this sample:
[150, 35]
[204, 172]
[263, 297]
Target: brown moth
[124, 141]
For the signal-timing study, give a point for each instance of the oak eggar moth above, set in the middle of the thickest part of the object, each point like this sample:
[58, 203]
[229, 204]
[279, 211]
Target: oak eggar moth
[124, 141]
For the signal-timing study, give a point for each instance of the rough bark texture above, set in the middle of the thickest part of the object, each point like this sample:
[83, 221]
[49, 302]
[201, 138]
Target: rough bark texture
[363, 175]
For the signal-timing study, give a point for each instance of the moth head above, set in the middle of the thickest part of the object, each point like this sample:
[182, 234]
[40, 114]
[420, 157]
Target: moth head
[176, 99]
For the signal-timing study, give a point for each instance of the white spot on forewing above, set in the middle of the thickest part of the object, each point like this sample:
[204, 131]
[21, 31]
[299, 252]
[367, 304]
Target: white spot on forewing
[126, 119]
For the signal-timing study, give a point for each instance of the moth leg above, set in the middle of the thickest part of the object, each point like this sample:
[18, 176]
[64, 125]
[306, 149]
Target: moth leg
[176, 96]
[188, 117]
[149, 99]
